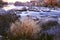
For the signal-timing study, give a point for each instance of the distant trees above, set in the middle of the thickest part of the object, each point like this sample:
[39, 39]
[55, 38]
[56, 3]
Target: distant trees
[51, 3]
[58, 4]
[2, 3]
[17, 3]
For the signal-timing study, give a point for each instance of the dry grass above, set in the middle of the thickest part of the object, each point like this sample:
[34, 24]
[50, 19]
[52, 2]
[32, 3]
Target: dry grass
[27, 29]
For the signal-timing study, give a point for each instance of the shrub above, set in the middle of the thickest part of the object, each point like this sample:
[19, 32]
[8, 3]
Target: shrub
[5, 22]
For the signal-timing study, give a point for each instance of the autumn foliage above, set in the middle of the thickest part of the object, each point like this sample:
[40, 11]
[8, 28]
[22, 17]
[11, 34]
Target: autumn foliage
[51, 2]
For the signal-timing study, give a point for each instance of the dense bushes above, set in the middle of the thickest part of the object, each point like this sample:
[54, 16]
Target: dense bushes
[5, 22]
[50, 30]
[28, 29]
